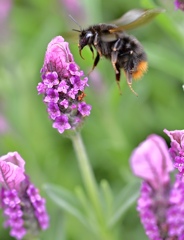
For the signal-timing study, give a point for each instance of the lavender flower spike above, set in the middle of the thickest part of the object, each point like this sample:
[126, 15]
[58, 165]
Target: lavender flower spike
[63, 86]
[24, 209]
[151, 161]
[161, 202]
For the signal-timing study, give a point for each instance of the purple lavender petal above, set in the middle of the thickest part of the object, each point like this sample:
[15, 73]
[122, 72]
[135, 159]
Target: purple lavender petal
[61, 123]
[14, 212]
[62, 87]
[64, 103]
[41, 88]
[33, 193]
[53, 110]
[72, 93]
[72, 68]
[18, 233]
[84, 109]
[52, 95]
[51, 79]
[11, 198]
[43, 220]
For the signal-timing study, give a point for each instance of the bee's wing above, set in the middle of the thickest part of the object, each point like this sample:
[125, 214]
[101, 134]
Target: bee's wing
[135, 18]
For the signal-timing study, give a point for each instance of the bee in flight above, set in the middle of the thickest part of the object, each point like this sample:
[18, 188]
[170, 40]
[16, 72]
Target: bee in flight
[111, 41]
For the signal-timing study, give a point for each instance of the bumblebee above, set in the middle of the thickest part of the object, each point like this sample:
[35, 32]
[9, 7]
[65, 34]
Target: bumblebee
[123, 50]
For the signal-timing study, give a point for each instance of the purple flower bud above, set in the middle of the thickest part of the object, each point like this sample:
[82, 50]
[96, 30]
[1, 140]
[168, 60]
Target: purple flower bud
[151, 161]
[63, 86]
[177, 148]
[24, 209]
[179, 4]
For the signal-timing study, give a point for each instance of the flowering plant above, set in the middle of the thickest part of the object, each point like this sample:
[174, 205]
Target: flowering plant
[24, 209]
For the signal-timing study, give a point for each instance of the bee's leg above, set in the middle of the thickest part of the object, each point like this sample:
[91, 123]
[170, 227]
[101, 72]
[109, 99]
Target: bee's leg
[97, 58]
[114, 56]
[91, 48]
[129, 81]
[95, 42]
[118, 74]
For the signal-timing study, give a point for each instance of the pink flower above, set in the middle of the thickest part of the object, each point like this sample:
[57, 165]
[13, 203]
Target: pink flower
[151, 161]
[11, 170]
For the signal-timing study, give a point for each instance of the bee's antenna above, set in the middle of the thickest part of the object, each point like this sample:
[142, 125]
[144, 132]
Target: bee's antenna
[76, 30]
[77, 24]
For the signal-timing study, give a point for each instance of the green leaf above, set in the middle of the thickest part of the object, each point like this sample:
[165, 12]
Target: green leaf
[107, 198]
[88, 210]
[124, 200]
[65, 200]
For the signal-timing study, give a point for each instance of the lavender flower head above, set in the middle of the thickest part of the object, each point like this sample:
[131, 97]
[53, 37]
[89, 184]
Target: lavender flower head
[24, 209]
[179, 4]
[63, 86]
[161, 203]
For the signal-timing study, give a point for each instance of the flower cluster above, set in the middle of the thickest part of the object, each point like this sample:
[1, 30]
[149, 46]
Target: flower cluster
[63, 86]
[24, 209]
[161, 202]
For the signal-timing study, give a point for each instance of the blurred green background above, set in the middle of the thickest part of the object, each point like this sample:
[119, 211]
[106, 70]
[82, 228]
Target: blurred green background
[117, 124]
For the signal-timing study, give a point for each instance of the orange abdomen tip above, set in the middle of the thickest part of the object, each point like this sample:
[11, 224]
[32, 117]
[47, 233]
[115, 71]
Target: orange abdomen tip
[141, 69]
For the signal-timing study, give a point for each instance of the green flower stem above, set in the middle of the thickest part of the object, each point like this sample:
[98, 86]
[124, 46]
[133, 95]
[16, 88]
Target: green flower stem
[87, 173]
[91, 187]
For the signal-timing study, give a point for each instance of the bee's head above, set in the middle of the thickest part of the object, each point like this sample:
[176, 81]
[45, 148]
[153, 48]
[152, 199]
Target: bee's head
[84, 39]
